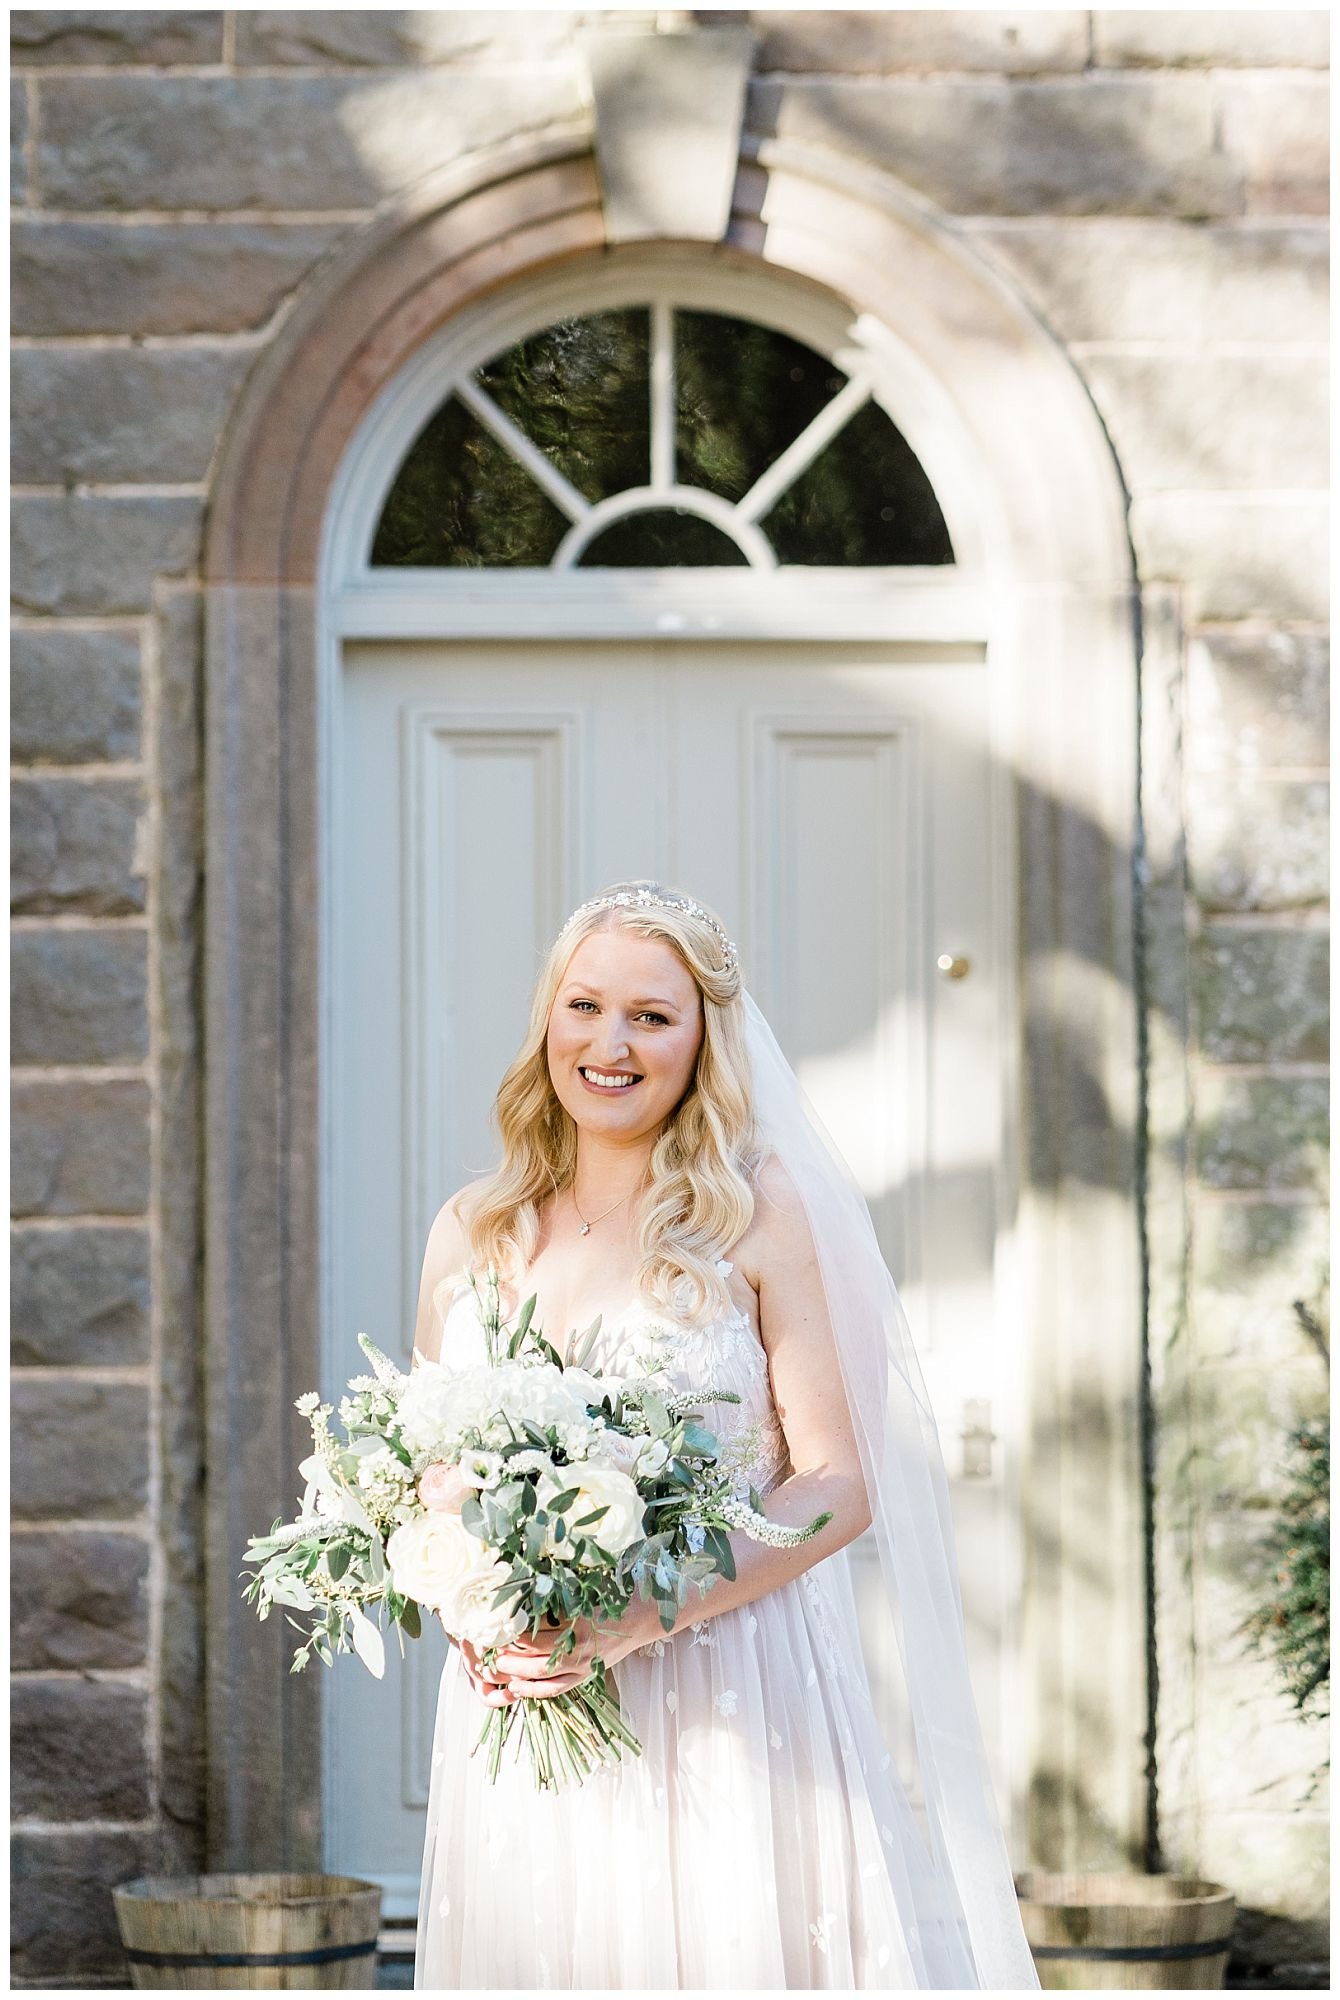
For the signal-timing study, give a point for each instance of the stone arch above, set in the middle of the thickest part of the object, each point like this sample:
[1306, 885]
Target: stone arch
[1064, 654]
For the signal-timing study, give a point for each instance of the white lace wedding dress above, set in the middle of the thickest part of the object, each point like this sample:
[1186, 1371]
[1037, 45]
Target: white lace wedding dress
[762, 1839]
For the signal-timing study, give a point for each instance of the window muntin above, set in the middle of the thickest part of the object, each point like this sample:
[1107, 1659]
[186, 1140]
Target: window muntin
[658, 437]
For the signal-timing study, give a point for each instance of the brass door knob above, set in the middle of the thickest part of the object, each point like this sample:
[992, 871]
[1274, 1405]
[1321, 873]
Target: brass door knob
[951, 965]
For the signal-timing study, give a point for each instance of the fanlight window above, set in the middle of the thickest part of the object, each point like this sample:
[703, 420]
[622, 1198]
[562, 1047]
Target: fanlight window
[655, 436]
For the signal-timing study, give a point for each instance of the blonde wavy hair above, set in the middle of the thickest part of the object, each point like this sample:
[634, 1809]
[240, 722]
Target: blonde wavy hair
[698, 1197]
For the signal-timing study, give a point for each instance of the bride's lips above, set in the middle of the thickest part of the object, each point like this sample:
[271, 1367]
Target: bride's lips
[604, 1089]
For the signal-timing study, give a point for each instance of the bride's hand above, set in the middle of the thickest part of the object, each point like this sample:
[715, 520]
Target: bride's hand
[490, 1682]
[524, 1659]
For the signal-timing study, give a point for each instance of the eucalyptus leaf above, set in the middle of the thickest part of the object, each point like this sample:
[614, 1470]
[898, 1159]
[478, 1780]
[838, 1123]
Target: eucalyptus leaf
[588, 1341]
[655, 1411]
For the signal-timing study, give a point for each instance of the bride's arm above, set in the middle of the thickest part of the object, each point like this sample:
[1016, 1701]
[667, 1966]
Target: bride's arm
[446, 1252]
[812, 1405]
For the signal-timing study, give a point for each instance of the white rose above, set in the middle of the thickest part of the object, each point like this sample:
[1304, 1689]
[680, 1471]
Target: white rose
[469, 1610]
[427, 1555]
[597, 1486]
[619, 1451]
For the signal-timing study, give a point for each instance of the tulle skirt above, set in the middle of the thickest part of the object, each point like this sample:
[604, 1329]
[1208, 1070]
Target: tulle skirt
[762, 1839]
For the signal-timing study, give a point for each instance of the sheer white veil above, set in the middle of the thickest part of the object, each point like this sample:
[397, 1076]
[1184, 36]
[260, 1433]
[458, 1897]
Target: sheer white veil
[976, 1927]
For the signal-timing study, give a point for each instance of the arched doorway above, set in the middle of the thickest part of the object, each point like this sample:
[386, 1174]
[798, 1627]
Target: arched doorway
[1000, 764]
[516, 714]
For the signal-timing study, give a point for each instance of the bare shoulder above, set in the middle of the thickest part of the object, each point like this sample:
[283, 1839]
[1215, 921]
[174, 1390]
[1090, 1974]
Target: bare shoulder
[448, 1248]
[446, 1255]
[778, 1237]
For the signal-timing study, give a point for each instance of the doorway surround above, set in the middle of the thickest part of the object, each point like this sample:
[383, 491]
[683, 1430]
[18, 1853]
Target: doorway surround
[1026, 477]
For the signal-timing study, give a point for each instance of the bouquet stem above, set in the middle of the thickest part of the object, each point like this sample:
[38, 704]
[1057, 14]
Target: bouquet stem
[568, 1735]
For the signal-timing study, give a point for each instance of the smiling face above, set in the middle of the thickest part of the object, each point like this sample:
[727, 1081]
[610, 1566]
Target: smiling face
[626, 1006]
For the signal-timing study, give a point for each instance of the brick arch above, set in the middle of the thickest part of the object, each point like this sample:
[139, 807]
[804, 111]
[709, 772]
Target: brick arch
[1064, 649]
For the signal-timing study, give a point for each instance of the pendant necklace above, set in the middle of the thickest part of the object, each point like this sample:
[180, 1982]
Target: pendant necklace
[585, 1229]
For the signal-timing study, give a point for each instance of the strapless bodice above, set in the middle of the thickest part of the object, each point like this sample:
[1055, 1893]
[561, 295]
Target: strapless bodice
[638, 1339]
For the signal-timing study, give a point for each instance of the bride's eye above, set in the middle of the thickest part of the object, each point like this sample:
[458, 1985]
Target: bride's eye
[648, 1015]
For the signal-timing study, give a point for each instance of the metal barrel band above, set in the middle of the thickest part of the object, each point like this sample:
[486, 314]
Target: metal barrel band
[320, 1955]
[1202, 1948]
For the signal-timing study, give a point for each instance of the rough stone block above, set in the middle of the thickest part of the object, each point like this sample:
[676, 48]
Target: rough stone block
[1101, 145]
[79, 1296]
[78, 1750]
[1188, 421]
[78, 996]
[79, 1147]
[1262, 995]
[74, 696]
[1261, 1131]
[78, 1598]
[99, 37]
[120, 415]
[1237, 557]
[1218, 37]
[1257, 843]
[76, 846]
[394, 37]
[1265, 1755]
[80, 553]
[1275, 1862]
[1258, 701]
[1244, 1417]
[1136, 278]
[1012, 44]
[283, 143]
[63, 1919]
[1277, 129]
[18, 142]
[1249, 1261]
[80, 1449]
[182, 277]
[1257, 1754]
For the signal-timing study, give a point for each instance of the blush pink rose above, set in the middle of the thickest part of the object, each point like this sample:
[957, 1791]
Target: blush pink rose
[444, 1488]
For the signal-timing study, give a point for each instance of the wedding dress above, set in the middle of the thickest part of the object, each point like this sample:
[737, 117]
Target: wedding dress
[762, 1839]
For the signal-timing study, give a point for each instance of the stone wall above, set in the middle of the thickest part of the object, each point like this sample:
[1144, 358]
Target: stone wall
[1155, 185]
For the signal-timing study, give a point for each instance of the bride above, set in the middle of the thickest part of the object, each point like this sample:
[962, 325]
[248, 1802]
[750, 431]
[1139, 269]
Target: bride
[660, 1168]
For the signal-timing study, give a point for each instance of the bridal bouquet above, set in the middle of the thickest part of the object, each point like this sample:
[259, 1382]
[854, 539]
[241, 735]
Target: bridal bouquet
[520, 1495]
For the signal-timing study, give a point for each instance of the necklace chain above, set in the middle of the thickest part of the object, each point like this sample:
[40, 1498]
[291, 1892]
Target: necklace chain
[586, 1226]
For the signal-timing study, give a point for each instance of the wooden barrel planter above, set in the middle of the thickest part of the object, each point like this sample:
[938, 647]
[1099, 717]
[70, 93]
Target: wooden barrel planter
[1139, 1932]
[232, 1931]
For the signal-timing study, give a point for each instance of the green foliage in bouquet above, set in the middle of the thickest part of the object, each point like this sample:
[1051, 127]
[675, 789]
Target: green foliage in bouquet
[332, 1564]
[527, 1455]
[1294, 1623]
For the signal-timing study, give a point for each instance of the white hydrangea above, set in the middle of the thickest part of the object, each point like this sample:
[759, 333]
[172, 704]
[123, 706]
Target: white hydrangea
[440, 1406]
